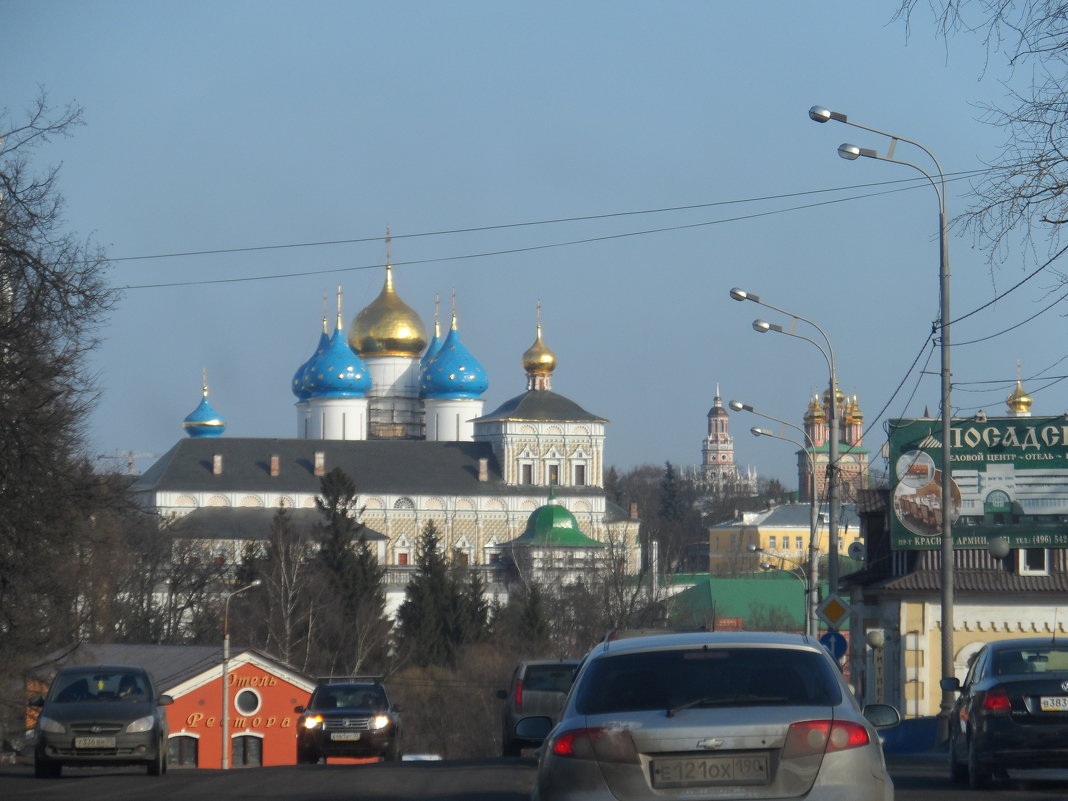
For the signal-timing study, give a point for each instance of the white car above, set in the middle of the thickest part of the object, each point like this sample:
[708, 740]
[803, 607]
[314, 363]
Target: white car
[712, 715]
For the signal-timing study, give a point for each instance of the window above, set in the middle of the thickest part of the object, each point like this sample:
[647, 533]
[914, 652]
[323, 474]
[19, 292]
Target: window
[554, 474]
[247, 702]
[771, 542]
[402, 558]
[580, 475]
[527, 474]
[798, 544]
[182, 751]
[246, 750]
[1034, 562]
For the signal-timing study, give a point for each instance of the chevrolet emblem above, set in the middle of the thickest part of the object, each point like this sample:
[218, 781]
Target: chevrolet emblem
[710, 743]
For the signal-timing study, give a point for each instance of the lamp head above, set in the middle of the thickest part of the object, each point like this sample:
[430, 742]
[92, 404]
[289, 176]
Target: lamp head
[738, 406]
[820, 114]
[761, 326]
[766, 565]
[256, 583]
[848, 152]
[999, 547]
[757, 432]
[740, 294]
[752, 548]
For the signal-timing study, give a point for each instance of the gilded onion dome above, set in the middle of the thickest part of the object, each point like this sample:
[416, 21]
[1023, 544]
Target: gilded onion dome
[388, 327]
[204, 421]
[1019, 401]
[853, 414]
[838, 395]
[538, 359]
[815, 412]
[453, 372]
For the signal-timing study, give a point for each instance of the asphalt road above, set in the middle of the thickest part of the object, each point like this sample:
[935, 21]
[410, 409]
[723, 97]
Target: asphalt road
[917, 778]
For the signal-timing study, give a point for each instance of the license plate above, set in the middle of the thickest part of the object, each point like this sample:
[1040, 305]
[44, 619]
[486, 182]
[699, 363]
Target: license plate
[94, 742]
[345, 735]
[708, 771]
[1054, 703]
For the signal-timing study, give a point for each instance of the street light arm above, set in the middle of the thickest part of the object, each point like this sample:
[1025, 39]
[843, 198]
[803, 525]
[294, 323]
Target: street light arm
[763, 326]
[738, 406]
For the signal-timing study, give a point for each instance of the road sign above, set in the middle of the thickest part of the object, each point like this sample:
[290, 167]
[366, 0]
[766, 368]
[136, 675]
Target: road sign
[835, 643]
[833, 611]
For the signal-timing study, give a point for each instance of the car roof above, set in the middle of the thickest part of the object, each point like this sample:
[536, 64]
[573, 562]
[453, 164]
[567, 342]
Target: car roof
[103, 669]
[748, 639]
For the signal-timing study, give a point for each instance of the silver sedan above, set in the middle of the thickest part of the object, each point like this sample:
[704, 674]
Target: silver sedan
[717, 715]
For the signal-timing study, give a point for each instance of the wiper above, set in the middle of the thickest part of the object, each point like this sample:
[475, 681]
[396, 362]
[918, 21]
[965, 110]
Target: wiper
[728, 700]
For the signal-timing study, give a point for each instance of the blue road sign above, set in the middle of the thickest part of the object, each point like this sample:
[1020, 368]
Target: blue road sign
[835, 643]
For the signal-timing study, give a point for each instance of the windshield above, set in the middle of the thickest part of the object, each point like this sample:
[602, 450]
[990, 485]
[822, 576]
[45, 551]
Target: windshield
[674, 680]
[365, 697]
[96, 685]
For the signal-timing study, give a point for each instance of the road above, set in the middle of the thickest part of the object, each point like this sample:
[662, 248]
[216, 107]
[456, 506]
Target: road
[917, 777]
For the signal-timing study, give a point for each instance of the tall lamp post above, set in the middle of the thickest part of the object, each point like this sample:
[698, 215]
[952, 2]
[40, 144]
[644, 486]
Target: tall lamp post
[833, 497]
[850, 153]
[799, 574]
[811, 621]
[226, 673]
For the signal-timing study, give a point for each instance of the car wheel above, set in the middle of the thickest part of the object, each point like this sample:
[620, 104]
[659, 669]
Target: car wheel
[45, 769]
[958, 771]
[392, 754]
[980, 775]
[306, 756]
[158, 766]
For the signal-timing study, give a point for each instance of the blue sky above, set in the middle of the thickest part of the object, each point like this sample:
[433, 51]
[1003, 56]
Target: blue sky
[239, 125]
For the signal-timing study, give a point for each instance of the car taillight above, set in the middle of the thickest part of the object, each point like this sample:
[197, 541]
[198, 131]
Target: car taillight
[602, 745]
[997, 700]
[809, 737]
[518, 695]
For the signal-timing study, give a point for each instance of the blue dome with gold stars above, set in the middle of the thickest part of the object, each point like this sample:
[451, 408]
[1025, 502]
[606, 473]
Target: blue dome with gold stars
[301, 376]
[453, 372]
[337, 371]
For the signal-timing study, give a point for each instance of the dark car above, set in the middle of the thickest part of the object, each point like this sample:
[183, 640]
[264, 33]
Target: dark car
[100, 715]
[537, 688]
[1012, 711]
[351, 718]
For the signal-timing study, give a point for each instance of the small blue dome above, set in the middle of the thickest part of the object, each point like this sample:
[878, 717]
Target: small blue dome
[431, 349]
[336, 371]
[301, 376]
[204, 421]
[453, 372]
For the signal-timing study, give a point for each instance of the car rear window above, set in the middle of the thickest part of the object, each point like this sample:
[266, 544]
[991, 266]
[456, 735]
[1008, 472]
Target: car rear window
[1050, 659]
[707, 677]
[548, 678]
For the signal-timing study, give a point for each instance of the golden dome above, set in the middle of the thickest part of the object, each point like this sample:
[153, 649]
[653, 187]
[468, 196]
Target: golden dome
[388, 327]
[838, 394]
[1018, 400]
[853, 414]
[815, 412]
[538, 358]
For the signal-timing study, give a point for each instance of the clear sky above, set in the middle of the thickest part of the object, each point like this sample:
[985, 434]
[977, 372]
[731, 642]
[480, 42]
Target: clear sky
[626, 163]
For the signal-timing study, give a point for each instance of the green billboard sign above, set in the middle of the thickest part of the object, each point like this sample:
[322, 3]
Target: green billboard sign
[1009, 479]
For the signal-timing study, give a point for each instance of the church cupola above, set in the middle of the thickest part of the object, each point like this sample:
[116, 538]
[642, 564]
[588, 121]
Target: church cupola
[539, 361]
[452, 385]
[1018, 401]
[204, 421]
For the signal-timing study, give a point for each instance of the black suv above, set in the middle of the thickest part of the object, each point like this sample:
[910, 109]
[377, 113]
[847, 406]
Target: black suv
[348, 718]
[101, 715]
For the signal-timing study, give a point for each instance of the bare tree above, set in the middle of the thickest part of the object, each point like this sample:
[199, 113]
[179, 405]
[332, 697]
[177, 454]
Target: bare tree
[1025, 191]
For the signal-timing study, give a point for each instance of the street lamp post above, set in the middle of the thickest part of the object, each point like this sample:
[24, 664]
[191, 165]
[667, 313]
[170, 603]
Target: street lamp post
[833, 492]
[226, 673]
[851, 152]
[806, 581]
[811, 621]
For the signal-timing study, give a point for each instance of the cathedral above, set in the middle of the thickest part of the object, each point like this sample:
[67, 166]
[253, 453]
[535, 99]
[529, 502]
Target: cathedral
[852, 455]
[402, 414]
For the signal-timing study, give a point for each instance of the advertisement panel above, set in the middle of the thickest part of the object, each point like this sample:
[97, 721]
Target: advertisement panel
[1009, 479]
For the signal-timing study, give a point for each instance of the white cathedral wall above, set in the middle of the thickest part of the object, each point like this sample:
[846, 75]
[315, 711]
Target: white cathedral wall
[393, 377]
[450, 420]
[338, 418]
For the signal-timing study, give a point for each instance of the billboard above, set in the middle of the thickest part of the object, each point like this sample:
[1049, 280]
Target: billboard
[1009, 479]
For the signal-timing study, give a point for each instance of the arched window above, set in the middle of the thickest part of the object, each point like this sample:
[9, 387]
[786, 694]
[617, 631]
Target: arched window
[247, 750]
[182, 751]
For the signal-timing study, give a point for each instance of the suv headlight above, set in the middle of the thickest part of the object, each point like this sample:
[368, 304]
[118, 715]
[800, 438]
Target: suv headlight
[50, 726]
[380, 722]
[312, 721]
[141, 724]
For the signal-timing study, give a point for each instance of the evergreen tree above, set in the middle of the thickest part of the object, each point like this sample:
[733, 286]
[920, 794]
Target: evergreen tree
[431, 619]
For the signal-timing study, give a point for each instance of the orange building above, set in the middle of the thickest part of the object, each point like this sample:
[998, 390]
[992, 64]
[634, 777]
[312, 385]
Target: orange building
[262, 692]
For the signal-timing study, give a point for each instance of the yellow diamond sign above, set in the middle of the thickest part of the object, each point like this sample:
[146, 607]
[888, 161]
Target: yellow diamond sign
[833, 611]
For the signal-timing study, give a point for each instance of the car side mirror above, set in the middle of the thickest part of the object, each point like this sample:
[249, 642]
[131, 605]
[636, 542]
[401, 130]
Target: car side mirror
[534, 728]
[36, 700]
[164, 700]
[882, 716]
[951, 683]
[397, 708]
[298, 709]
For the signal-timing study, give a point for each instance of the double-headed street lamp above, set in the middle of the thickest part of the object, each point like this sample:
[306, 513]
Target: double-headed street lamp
[833, 494]
[941, 325]
[226, 673]
[811, 598]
